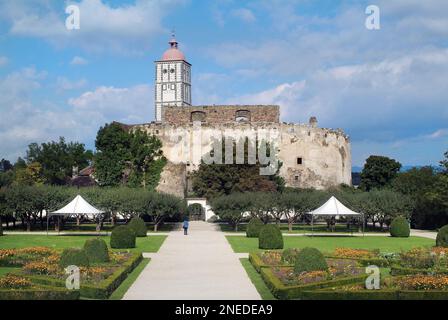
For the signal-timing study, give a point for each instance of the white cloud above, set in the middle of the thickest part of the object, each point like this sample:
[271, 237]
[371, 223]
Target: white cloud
[3, 61]
[79, 61]
[119, 29]
[244, 14]
[26, 119]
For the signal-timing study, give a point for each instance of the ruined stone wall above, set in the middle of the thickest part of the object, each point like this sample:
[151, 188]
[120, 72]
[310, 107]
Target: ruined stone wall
[325, 154]
[173, 179]
[220, 114]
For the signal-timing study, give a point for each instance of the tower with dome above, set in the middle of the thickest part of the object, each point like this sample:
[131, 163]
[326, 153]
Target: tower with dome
[173, 80]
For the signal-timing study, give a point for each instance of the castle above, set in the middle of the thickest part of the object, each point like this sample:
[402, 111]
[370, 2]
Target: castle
[311, 157]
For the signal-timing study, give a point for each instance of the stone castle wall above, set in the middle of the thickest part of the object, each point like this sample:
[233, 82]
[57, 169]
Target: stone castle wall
[311, 157]
[220, 114]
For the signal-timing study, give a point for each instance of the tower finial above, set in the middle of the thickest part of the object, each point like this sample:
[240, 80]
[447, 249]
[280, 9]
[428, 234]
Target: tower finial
[173, 42]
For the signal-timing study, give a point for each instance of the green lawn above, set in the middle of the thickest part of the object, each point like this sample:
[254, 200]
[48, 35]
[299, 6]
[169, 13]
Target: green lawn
[86, 227]
[256, 279]
[4, 271]
[126, 284]
[147, 244]
[242, 244]
[304, 228]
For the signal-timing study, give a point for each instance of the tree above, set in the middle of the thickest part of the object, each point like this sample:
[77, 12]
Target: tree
[160, 206]
[295, 204]
[231, 208]
[31, 175]
[5, 165]
[378, 172]
[444, 163]
[57, 159]
[124, 157]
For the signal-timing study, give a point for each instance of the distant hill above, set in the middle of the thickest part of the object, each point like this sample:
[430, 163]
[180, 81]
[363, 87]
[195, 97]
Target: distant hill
[403, 168]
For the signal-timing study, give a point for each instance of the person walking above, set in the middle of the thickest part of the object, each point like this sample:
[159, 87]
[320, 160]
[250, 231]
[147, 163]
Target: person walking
[185, 226]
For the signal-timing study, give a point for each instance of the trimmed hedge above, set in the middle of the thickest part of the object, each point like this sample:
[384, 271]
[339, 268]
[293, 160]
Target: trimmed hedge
[257, 263]
[379, 262]
[270, 237]
[74, 257]
[102, 290]
[310, 259]
[399, 228]
[284, 292]
[254, 227]
[43, 293]
[139, 226]
[122, 237]
[401, 271]
[442, 237]
[96, 251]
[374, 295]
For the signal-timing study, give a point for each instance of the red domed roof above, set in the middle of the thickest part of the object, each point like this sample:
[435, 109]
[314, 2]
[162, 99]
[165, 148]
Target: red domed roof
[173, 53]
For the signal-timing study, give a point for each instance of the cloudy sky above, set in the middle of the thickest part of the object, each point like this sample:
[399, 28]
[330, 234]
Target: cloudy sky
[387, 88]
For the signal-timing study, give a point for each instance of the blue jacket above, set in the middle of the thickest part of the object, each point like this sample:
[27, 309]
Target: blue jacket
[186, 224]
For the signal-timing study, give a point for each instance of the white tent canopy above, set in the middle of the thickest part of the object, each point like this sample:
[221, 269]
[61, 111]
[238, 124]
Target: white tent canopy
[333, 207]
[78, 206]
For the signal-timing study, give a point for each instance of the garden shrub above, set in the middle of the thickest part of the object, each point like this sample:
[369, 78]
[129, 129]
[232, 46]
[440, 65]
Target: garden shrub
[310, 259]
[74, 257]
[442, 237]
[270, 237]
[122, 237]
[253, 228]
[289, 256]
[400, 228]
[96, 250]
[138, 225]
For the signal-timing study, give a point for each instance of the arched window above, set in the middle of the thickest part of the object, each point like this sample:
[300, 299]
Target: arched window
[242, 116]
[197, 116]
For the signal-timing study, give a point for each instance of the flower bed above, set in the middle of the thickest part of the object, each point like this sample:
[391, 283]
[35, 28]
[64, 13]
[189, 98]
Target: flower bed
[422, 261]
[266, 259]
[40, 269]
[364, 257]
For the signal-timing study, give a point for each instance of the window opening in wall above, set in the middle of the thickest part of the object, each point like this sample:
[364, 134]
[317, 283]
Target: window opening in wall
[299, 161]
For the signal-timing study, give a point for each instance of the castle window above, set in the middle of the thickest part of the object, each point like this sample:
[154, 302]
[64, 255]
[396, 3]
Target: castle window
[165, 71]
[172, 70]
[198, 116]
[242, 116]
[164, 87]
[296, 178]
[299, 161]
[173, 86]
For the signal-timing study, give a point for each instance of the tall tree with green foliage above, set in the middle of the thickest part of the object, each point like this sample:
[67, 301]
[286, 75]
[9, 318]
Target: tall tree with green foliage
[124, 157]
[378, 172]
[57, 159]
[213, 180]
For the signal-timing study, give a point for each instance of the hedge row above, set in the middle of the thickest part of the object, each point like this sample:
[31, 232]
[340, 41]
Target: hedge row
[258, 263]
[105, 288]
[283, 292]
[402, 271]
[374, 295]
[379, 262]
[43, 293]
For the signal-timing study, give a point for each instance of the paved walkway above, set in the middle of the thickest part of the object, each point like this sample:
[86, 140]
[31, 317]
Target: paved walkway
[200, 266]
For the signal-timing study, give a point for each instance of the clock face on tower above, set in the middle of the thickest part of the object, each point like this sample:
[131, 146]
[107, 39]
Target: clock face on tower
[173, 80]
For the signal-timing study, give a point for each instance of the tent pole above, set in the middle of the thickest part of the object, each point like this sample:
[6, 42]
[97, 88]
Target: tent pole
[48, 219]
[312, 225]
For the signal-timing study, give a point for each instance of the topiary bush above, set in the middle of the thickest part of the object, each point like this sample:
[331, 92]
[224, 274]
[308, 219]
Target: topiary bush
[310, 259]
[442, 237]
[74, 257]
[139, 226]
[253, 228]
[270, 237]
[289, 256]
[400, 228]
[96, 250]
[122, 237]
